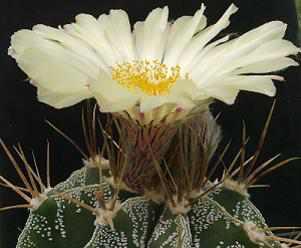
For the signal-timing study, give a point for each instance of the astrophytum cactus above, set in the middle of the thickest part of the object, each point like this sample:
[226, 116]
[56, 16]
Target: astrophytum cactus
[156, 180]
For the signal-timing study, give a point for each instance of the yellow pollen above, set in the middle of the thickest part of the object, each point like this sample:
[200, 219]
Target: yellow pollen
[151, 77]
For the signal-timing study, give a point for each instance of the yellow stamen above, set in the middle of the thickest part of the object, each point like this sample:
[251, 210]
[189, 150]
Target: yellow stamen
[151, 77]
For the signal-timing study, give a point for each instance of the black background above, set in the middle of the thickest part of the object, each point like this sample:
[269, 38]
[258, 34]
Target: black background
[22, 117]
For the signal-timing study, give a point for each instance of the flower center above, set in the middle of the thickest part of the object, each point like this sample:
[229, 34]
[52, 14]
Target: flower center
[151, 77]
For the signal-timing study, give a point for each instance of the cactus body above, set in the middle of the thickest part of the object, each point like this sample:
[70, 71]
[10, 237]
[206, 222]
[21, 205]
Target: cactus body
[174, 205]
[60, 223]
[215, 220]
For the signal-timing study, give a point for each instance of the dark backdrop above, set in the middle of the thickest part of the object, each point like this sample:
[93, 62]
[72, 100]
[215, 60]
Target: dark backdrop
[22, 117]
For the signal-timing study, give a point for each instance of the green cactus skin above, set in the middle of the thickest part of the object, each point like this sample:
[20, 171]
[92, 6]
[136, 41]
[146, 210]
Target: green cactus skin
[217, 221]
[171, 231]
[214, 221]
[56, 224]
[60, 223]
[133, 226]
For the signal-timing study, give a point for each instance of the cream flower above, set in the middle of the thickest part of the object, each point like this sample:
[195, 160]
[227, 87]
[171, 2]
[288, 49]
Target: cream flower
[157, 64]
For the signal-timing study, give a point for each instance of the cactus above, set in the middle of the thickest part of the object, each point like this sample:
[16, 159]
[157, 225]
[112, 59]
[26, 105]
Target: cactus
[100, 205]
[154, 181]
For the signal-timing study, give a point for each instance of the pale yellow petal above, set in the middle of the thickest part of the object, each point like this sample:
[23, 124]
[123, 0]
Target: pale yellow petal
[259, 84]
[51, 65]
[258, 45]
[189, 66]
[223, 93]
[227, 89]
[266, 66]
[90, 31]
[151, 36]
[205, 36]
[58, 100]
[111, 96]
[148, 103]
[77, 46]
[139, 37]
[118, 31]
[182, 32]
[183, 95]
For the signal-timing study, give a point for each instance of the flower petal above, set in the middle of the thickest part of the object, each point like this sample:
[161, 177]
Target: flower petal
[253, 39]
[148, 103]
[151, 35]
[51, 65]
[139, 37]
[59, 101]
[199, 41]
[182, 32]
[111, 96]
[188, 67]
[258, 45]
[118, 31]
[222, 93]
[266, 66]
[74, 63]
[272, 50]
[182, 94]
[259, 84]
[89, 30]
[69, 42]
[227, 89]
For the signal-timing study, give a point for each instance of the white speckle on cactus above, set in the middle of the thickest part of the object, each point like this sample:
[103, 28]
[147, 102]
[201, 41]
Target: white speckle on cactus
[171, 232]
[171, 240]
[104, 236]
[203, 214]
[24, 240]
[39, 225]
[141, 214]
[248, 213]
[59, 220]
[132, 226]
[161, 229]
[235, 245]
[78, 211]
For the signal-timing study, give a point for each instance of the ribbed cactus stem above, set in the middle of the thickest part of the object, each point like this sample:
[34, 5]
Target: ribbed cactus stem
[167, 199]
